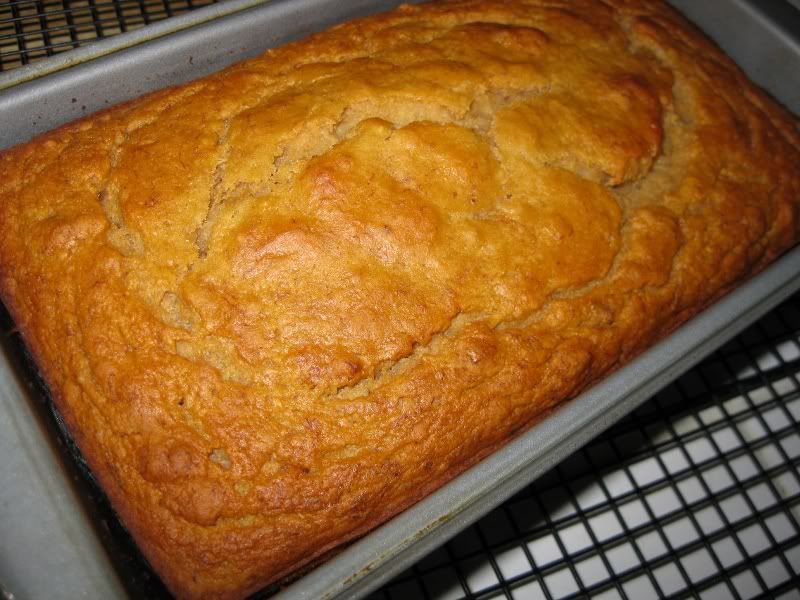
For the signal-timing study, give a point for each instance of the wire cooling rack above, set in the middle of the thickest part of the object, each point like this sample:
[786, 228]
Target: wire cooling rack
[695, 495]
[34, 29]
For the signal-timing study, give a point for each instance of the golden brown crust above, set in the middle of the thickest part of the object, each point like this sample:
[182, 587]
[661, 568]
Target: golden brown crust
[280, 304]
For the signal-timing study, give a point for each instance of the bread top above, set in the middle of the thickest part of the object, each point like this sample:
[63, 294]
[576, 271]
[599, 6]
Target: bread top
[279, 304]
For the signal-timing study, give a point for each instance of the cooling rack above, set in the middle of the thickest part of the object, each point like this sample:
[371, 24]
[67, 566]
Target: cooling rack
[34, 29]
[696, 494]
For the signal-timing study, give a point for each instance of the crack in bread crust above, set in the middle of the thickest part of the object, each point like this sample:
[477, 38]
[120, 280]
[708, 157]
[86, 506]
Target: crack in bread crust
[307, 291]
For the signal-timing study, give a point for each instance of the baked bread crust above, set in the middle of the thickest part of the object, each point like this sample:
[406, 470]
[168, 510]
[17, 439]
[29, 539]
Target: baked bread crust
[280, 304]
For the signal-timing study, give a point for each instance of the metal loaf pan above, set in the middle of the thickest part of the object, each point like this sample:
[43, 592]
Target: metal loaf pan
[53, 538]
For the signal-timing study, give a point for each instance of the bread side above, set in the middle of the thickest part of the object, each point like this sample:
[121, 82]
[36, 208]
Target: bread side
[280, 304]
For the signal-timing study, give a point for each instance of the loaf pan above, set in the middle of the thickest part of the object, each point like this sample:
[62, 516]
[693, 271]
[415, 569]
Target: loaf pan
[59, 538]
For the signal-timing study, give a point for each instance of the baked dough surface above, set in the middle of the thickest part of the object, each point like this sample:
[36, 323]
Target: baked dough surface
[280, 304]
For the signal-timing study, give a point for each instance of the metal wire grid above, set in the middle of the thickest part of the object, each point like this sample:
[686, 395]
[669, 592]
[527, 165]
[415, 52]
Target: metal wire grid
[34, 29]
[695, 495]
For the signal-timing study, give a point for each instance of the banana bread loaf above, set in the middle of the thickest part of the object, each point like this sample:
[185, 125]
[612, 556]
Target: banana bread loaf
[282, 303]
